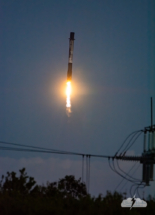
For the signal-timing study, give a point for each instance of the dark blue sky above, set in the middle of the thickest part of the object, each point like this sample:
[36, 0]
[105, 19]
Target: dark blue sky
[112, 73]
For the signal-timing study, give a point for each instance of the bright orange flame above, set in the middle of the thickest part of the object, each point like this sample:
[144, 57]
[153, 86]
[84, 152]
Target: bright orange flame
[68, 98]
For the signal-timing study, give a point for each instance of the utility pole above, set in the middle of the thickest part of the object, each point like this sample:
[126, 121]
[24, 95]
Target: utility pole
[147, 159]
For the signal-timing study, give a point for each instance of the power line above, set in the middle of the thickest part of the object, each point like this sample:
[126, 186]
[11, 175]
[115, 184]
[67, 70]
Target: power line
[132, 174]
[133, 137]
[136, 190]
[141, 183]
[82, 167]
[123, 178]
[133, 142]
[89, 172]
[45, 150]
[114, 169]
[126, 173]
[127, 146]
[126, 140]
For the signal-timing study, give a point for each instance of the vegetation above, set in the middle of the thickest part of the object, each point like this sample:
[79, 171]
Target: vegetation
[21, 195]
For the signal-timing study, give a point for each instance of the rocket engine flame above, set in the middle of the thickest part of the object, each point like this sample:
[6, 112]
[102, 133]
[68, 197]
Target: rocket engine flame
[68, 98]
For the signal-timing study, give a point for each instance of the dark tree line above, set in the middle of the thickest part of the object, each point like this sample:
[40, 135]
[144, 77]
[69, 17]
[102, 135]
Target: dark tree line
[21, 195]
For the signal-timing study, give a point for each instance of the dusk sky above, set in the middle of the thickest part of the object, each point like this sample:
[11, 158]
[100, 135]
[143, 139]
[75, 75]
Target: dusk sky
[113, 80]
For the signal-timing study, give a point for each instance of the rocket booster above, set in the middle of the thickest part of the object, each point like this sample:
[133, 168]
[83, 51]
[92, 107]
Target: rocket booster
[70, 59]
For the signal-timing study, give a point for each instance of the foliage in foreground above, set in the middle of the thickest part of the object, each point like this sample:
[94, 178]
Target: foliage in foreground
[21, 195]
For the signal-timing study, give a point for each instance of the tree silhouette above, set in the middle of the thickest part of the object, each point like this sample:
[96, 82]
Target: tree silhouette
[21, 195]
[22, 184]
[69, 186]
